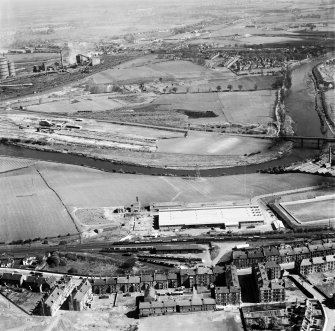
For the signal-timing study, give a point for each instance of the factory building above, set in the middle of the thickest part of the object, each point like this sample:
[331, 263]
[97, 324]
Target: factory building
[7, 68]
[225, 217]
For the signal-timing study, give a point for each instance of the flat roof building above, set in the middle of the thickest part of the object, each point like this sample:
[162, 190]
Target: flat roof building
[230, 216]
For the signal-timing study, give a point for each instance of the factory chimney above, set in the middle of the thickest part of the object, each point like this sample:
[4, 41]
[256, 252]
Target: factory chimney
[61, 59]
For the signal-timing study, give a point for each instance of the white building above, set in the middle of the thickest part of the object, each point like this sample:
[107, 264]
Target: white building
[226, 217]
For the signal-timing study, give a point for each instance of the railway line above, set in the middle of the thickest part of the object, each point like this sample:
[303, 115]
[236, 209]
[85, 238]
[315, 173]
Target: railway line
[141, 245]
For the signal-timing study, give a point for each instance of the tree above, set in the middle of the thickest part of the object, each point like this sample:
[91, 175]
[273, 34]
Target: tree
[240, 87]
[63, 261]
[53, 261]
[218, 88]
[229, 87]
[72, 271]
[255, 87]
[174, 89]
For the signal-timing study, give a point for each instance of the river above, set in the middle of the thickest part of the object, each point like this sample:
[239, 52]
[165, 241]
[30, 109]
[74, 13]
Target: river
[300, 106]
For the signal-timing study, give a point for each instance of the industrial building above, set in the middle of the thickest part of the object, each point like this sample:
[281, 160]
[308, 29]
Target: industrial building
[225, 217]
[7, 68]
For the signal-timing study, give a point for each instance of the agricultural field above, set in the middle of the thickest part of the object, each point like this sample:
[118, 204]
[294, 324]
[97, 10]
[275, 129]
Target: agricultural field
[167, 70]
[29, 209]
[248, 107]
[88, 188]
[10, 164]
[94, 103]
[312, 210]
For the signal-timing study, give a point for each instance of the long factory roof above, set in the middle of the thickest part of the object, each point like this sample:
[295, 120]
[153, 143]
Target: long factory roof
[231, 215]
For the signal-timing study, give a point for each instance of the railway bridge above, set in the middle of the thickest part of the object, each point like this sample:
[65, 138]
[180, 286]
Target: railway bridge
[303, 139]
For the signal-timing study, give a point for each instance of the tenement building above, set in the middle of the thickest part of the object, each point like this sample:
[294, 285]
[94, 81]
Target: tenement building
[268, 290]
[231, 293]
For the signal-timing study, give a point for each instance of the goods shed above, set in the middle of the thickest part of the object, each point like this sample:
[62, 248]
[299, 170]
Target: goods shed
[226, 217]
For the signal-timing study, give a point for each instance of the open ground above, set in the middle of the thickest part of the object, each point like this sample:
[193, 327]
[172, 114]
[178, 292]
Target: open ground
[30, 209]
[312, 210]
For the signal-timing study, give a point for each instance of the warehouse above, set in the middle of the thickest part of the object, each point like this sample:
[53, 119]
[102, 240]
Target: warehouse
[225, 217]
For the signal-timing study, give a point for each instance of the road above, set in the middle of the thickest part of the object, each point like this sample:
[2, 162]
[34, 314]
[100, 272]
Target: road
[329, 313]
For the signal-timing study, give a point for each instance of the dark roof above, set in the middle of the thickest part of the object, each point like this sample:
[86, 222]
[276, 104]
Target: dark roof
[111, 281]
[255, 254]
[270, 251]
[221, 289]
[239, 255]
[8, 276]
[147, 278]
[99, 282]
[172, 276]
[190, 272]
[160, 277]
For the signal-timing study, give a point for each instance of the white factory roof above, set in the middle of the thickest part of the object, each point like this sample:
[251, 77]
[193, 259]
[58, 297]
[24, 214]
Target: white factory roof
[231, 215]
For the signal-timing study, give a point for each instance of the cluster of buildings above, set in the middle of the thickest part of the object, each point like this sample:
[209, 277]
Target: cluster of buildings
[305, 316]
[76, 295]
[153, 307]
[188, 278]
[270, 287]
[314, 319]
[244, 258]
[316, 264]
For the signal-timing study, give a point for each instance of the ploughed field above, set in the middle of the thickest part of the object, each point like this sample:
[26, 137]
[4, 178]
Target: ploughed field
[29, 209]
[88, 188]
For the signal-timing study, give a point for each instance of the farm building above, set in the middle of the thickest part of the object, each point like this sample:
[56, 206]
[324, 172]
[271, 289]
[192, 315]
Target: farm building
[226, 217]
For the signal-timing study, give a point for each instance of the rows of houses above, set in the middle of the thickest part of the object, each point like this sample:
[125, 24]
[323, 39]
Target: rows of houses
[154, 308]
[316, 264]
[198, 276]
[150, 306]
[270, 287]
[245, 258]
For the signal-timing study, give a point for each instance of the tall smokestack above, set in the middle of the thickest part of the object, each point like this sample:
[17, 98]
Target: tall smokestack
[61, 59]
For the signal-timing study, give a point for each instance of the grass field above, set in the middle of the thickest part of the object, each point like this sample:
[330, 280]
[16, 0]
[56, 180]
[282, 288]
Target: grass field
[144, 71]
[29, 209]
[91, 103]
[9, 163]
[86, 188]
[232, 107]
[312, 210]
[212, 144]
[248, 107]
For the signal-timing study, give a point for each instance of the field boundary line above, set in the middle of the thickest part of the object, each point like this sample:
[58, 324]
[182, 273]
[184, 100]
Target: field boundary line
[46, 183]
[25, 167]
